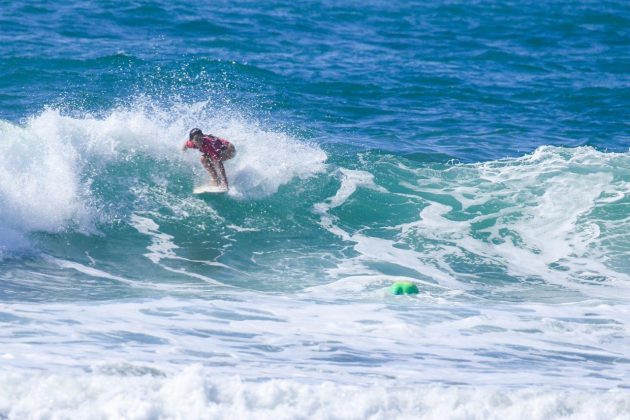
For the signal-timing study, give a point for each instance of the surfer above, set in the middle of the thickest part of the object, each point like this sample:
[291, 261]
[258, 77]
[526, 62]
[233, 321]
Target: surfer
[213, 152]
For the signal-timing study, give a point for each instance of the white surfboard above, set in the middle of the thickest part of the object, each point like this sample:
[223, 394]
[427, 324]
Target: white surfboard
[210, 189]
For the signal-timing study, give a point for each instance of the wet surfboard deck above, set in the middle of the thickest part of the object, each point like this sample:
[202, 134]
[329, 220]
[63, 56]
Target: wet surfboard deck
[209, 189]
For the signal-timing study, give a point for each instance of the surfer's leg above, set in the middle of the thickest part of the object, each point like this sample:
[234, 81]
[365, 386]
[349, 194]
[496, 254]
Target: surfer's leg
[216, 171]
[207, 163]
[222, 173]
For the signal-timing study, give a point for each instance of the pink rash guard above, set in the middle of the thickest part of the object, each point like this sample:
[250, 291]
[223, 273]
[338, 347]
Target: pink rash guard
[212, 146]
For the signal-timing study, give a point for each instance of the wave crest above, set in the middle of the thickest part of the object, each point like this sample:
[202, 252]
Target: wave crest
[48, 165]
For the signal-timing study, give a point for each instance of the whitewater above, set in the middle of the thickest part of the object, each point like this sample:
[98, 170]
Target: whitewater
[124, 295]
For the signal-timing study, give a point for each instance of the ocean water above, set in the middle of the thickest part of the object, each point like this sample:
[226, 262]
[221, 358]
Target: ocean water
[479, 149]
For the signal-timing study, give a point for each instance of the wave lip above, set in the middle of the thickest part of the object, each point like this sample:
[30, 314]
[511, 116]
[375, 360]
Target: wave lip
[40, 182]
[49, 164]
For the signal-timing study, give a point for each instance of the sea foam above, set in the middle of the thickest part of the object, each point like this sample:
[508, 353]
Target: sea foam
[556, 216]
[196, 392]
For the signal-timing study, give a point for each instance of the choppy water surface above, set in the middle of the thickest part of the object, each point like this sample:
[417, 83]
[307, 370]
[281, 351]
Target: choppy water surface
[479, 150]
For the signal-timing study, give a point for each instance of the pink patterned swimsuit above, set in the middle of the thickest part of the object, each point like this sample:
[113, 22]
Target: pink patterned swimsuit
[212, 146]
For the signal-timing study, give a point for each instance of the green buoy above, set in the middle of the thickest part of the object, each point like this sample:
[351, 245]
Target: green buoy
[404, 288]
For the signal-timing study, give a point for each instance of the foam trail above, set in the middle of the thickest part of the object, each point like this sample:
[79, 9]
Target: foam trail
[90, 271]
[163, 247]
[541, 217]
[372, 248]
[93, 272]
[543, 226]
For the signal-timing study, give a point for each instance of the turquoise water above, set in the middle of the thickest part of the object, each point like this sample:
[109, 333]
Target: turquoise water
[479, 150]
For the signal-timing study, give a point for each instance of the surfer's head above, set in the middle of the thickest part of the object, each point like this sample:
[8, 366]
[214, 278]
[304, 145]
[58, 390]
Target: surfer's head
[195, 135]
[195, 132]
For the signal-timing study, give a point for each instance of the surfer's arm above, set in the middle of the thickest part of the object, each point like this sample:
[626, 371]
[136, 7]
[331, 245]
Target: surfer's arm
[187, 145]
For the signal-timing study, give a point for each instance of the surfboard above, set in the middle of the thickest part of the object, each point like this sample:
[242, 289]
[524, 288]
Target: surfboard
[210, 189]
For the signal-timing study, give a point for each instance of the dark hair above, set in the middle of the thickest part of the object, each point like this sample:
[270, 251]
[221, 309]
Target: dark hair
[194, 132]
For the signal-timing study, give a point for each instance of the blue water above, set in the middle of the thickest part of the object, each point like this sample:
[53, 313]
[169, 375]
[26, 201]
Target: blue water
[478, 149]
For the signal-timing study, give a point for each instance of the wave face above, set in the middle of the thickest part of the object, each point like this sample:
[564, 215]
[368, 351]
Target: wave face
[521, 223]
[479, 150]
